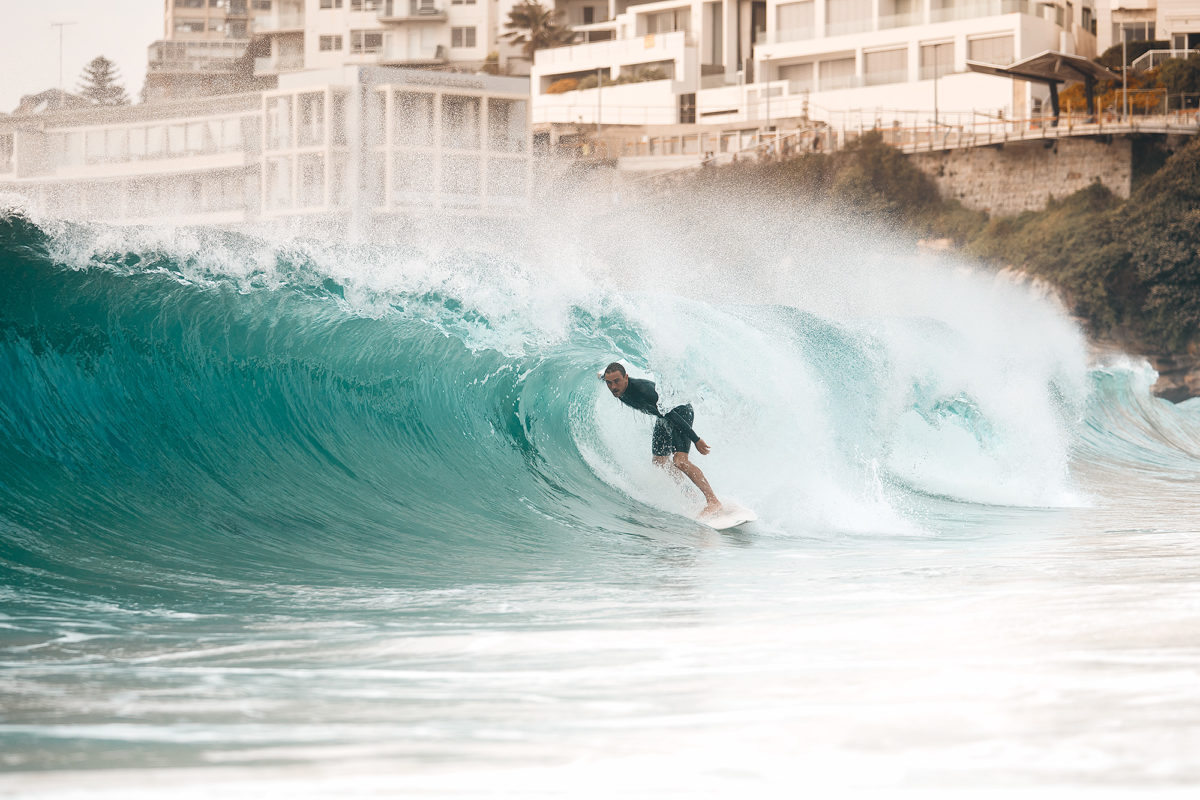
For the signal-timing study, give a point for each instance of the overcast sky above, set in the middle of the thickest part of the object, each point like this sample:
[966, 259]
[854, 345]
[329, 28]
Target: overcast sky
[119, 30]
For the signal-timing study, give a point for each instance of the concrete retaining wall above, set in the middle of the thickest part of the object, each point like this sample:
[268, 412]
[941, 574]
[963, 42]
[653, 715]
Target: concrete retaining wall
[1022, 176]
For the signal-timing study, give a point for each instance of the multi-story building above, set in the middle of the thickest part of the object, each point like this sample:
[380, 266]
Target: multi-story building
[1176, 22]
[688, 61]
[213, 46]
[361, 144]
[313, 34]
[203, 41]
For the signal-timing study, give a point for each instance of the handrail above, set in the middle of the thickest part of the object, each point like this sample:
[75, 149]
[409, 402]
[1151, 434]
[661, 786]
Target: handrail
[908, 139]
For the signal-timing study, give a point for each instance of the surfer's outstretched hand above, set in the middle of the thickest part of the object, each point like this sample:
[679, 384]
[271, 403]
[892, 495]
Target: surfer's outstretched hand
[702, 448]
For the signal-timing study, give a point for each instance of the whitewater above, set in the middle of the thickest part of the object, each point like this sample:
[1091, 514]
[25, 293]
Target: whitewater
[294, 517]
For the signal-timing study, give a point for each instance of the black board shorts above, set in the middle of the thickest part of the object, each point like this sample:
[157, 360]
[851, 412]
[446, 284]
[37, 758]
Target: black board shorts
[667, 439]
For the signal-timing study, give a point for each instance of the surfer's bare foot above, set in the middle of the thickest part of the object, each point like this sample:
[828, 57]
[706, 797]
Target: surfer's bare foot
[710, 509]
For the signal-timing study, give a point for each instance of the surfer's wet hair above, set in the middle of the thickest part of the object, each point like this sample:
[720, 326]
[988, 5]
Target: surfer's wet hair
[615, 367]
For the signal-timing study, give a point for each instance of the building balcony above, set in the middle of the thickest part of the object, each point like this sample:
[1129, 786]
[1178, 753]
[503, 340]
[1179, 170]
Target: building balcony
[889, 21]
[412, 11]
[280, 22]
[598, 55]
[165, 57]
[982, 8]
[791, 35]
[399, 53]
[273, 65]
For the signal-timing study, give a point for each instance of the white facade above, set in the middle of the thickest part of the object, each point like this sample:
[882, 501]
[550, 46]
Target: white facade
[317, 34]
[337, 145]
[734, 61]
[1176, 22]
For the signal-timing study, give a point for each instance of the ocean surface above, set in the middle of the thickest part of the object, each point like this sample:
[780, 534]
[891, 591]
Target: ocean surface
[286, 518]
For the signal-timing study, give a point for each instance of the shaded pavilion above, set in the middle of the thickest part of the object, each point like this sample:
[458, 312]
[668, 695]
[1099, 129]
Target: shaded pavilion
[1052, 68]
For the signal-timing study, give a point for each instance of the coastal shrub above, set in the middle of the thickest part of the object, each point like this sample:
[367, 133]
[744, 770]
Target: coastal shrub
[876, 178]
[1161, 223]
[1181, 76]
[562, 85]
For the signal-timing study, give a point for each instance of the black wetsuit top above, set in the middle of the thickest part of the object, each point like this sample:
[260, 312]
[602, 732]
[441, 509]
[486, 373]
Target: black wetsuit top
[641, 395]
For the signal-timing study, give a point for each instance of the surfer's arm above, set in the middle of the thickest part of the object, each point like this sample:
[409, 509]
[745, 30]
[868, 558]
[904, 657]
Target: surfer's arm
[676, 419]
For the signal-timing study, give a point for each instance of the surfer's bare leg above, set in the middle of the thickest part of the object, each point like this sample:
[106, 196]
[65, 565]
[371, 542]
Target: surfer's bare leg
[693, 472]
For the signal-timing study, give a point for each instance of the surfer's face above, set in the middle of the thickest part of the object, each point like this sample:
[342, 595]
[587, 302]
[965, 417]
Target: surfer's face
[616, 382]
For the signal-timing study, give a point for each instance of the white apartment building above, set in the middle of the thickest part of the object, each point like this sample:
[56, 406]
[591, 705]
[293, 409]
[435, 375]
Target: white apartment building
[218, 46]
[335, 146]
[733, 61]
[316, 34]
[1176, 22]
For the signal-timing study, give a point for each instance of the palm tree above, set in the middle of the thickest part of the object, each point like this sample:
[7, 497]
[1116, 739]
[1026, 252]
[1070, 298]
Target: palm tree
[535, 27]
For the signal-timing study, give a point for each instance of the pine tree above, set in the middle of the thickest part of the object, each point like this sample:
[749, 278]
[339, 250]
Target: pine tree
[98, 83]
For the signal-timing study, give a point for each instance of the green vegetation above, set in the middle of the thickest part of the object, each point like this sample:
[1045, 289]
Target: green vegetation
[536, 27]
[1130, 269]
[99, 83]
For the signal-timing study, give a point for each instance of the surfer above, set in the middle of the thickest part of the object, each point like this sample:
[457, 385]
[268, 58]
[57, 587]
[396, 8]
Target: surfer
[673, 434]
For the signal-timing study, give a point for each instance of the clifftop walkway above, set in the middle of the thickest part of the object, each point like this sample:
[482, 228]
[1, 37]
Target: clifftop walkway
[692, 149]
[952, 137]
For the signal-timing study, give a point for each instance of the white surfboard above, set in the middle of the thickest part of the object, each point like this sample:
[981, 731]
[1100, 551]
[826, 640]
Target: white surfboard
[729, 516]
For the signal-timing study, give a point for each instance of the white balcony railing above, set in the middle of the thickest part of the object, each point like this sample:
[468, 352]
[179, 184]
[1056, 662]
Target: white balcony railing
[655, 47]
[792, 35]
[982, 8]
[279, 21]
[1152, 59]
[398, 50]
[272, 65]
[412, 10]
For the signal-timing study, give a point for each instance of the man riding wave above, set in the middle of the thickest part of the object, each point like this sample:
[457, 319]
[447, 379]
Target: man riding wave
[673, 435]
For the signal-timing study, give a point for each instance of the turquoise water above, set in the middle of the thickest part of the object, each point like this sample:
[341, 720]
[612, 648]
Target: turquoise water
[299, 519]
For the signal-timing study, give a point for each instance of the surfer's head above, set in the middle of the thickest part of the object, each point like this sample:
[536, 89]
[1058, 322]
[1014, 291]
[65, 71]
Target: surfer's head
[616, 379]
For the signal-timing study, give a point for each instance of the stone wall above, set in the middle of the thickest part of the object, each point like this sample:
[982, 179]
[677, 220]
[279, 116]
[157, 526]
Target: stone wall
[1022, 176]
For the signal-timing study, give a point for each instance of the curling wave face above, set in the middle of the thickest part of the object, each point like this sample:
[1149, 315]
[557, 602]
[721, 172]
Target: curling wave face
[182, 412]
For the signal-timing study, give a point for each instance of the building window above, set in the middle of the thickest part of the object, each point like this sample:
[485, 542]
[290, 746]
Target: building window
[413, 119]
[331, 43]
[460, 122]
[189, 26]
[836, 73]
[261, 5]
[885, 66]
[798, 76]
[462, 37]
[899, 13]
[937, 60]
[462, 2]
[847, 16]
[678, 19]
[1133, 32]
[506, 125]
[992, 50]
[366, 41]
[795, 21]
[589, 15]
[365, 5]
[310, 119]
[331, 3]
[189, 3]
